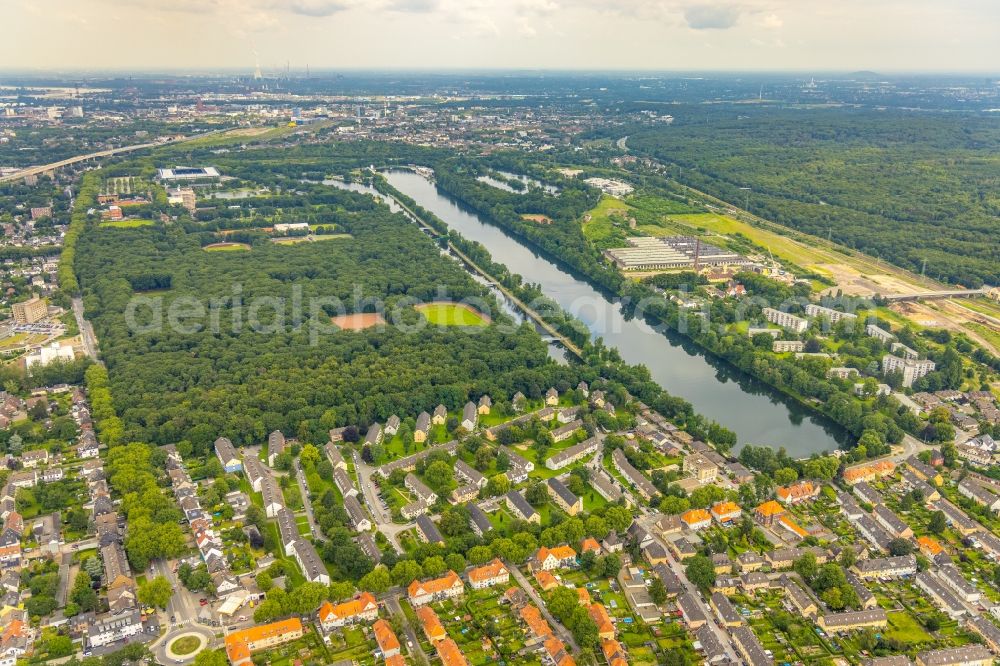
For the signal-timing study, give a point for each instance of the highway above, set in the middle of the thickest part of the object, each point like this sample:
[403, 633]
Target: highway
[44, 168]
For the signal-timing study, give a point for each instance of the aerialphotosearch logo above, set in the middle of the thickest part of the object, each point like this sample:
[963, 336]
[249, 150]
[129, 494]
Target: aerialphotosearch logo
[266, 314]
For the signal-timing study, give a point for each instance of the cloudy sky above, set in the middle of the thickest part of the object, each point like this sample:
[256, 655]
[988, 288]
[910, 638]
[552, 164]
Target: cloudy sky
[950, 35]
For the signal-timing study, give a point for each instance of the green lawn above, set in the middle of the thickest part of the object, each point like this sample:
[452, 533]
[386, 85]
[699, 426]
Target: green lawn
[607, 226]
[127, 224]
[452, 314]
[904, 628]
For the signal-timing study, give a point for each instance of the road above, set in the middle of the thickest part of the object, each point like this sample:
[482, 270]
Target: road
[86, 330]
[722, 636]
[392, 603]
[44, 168]
[557, 626]
[306, 502]
[365, 472]
[183, 608]
[383, 519]
[911, 446]
[66, 575]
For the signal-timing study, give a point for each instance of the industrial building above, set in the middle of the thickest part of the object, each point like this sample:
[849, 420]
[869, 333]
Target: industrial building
[647, 253]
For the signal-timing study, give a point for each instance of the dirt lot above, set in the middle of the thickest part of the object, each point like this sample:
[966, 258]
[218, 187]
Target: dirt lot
[357, 322]
[949, 315]
[854, 283]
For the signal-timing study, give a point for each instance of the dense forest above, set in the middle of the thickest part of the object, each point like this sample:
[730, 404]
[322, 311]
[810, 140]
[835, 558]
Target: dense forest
[904, 186]
[170, 385]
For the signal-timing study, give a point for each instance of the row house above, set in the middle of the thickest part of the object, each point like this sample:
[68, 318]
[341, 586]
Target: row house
[227, 455]
[309, 561]
[276, 446]
[240, 645]
[572, 454]
[940, 594]
[637, 479]
[344, 483]
[520, 507]
[836, 623]
[968, 655]
[478, 519]
[469, 474]
[357, 515]
[886, 567]
[420, 489]
[564, 498]
[885, 517]
[428, 531]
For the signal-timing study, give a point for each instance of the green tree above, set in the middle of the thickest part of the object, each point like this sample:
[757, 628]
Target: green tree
[937, 523]
[480, 554]
[211, 658]
[155, 592]
[434, 566]
[658, 592]
[439, 476]
[376, 581]
[700, 572]
[406, 571]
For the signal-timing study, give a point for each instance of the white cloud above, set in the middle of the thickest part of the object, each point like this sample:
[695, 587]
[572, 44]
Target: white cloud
[772, 22]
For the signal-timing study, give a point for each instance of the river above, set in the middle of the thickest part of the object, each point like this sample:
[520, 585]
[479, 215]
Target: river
[754, 411]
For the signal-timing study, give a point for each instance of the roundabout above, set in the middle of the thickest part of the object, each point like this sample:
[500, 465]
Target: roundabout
[185, 645]
[182, 644]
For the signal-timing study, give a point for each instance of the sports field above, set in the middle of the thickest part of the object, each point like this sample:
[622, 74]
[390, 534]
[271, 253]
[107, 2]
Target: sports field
[452, 314]
[357, 322]
[227, 247]
[127, 224]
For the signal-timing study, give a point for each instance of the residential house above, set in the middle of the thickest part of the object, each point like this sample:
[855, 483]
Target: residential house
[448, 586]
[559, 557]
[520, 507]
[727, 512]
[240, 645]
[699, 467]
[563, 497]
[276, 445]
[570, 455]
[363, 608]
[836, 623]
[428, 531]
[227, 455]
[803, 491]
[488, 575]
[470, 416]
[422, 428]
[388, 643]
